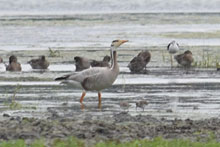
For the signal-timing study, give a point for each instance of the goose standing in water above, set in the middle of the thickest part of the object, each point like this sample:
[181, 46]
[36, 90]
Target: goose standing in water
[185, 59]
[173, 47]
[138, 63]
[97, 78]
[40, 63]
[103, 63]
[13, 64]
[81, 63]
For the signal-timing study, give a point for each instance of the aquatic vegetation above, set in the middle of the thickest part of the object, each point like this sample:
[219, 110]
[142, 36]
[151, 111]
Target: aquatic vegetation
[208, 60]
[54, 53]
[13, 104]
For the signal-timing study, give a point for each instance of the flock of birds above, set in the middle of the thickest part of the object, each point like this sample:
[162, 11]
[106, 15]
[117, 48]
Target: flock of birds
[136, 65]
[92, 75]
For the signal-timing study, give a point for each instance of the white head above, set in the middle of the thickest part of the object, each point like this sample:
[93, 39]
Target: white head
[117, 43]
[174, 43]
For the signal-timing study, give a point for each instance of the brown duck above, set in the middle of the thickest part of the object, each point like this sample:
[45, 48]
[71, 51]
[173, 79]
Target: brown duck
[138, 63]
[81, 63]
[184, 59]
[40, 63]
[103, 63]
[13, 64]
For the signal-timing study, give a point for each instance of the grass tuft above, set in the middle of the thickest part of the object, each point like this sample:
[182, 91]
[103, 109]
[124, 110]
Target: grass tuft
[156, 142]
[54, 53]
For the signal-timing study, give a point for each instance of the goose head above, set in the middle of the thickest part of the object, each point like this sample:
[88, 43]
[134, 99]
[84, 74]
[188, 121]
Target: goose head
[117, 43]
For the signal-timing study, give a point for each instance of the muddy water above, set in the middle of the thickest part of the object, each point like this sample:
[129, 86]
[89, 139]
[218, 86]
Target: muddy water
[171, 92]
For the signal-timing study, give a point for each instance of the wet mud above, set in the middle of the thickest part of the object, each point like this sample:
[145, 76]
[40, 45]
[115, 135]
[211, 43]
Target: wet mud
[120, 127]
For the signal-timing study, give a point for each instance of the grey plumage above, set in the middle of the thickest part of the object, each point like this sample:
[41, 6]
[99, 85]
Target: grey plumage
[40, 63]
[97, 78]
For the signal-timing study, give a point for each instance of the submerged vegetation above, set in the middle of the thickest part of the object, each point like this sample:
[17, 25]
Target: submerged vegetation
[156, 142]
[12, 104]
[208, 60]
[54, 53]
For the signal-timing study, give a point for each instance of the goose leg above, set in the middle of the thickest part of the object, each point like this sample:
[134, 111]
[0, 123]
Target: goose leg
[81, 99]
[100, 99]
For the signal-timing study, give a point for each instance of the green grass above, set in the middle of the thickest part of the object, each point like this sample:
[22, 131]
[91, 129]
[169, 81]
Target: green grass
[54, 53]
[208, 60]
[13, 105]
[157, 142]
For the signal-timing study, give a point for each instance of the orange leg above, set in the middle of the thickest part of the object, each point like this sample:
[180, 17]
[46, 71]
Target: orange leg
[81, 100]
[100, 99]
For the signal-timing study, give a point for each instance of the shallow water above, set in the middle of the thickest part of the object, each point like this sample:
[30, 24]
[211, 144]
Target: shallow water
[171, 92]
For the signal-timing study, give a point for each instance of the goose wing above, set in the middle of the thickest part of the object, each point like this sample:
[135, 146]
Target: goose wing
[81, 76]
[90, 79]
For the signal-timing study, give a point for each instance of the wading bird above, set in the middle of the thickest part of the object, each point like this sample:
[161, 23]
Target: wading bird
[13, 64]
[185, 59]
[138, 63]
[40, 63]
[173, 47]
[141, 104]
[97, 78]
[1, 60]
[124, 105]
